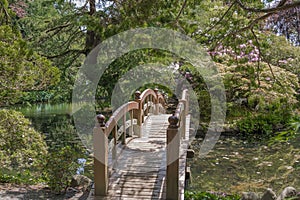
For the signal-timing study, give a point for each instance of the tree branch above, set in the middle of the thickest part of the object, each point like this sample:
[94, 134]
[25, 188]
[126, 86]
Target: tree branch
[181, 10]
[221, 19]
[6, 13]
[259, 57]
[249, 26]
[58, 27]
[65, 53]
[280, 7]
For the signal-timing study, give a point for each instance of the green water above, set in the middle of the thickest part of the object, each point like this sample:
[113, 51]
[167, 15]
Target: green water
[235, 166]
[43, 109]
[46, 117]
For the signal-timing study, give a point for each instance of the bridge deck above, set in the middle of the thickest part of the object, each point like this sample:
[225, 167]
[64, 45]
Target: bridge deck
[137, 170]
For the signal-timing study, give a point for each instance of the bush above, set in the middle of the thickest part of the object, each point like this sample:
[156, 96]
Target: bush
[265, 122]
[22, 149]
[65, 149]
[61, 166]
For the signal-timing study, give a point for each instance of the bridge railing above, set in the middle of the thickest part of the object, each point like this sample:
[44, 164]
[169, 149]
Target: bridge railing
[175, 133]
[150, 101]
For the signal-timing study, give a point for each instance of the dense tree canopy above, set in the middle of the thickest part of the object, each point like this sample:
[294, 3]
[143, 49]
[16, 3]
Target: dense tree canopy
[65, 32]
[22, 69]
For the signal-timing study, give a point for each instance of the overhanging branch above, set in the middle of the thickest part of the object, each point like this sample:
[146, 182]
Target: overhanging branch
[280, 7]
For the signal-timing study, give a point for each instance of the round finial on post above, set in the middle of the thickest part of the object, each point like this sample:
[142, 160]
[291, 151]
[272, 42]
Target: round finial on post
[137, 95]
[173, 121]
[101, 120]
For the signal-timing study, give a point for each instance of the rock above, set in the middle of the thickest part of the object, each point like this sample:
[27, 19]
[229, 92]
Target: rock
[70, 192]
[269, 195]
[249, 196]
[287, 192]
[80, 181]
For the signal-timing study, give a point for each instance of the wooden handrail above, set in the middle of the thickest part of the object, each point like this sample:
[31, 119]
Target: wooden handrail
[146, 93]
[119, 113]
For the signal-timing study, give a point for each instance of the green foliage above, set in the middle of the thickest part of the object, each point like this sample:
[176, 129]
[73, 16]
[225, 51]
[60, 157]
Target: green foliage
[62, 135]
[274, 117]
[292, 129]
[22, 149]
[60, 168]
[283, 55]
[21, 68]
[65, 149]
[191, 195]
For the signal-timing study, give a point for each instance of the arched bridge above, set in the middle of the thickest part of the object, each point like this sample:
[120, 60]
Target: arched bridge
[140, 152]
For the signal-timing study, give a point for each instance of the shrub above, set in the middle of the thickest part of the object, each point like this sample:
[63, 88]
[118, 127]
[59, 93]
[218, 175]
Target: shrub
[265, 122]
[65, 149]
[61, 166]
[22, 149]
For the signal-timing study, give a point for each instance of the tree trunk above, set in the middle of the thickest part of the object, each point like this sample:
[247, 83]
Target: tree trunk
[91, 37]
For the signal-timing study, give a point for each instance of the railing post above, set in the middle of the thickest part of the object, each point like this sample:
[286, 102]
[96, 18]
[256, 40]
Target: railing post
[100, 142]
[173, 145]
[187, 105]
[131, 131]
[183, 120]
[137, 114]
[147, 99]
[124, 130]
[156, 103]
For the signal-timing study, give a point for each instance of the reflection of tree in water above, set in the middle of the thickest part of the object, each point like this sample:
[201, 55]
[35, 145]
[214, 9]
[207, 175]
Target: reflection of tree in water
[59, 131]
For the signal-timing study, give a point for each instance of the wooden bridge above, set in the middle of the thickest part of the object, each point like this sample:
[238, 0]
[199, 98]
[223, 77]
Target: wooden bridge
[140, 152]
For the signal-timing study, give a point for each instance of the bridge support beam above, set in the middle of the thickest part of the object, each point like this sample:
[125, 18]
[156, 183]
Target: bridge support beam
[173, 145]
[100, 142]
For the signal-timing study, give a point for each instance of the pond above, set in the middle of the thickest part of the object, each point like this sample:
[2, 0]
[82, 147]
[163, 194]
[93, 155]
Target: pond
[235, 166]
[46, 117]
[56, 123]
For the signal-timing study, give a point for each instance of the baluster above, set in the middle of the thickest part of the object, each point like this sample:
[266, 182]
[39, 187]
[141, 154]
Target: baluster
[115, 134]
[131, 122]
[124, 130]
[183, 118]
[137, 114]
[156, 103]
[152, 104]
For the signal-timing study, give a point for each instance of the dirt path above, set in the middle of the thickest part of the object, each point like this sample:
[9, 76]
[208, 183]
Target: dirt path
[17, 192]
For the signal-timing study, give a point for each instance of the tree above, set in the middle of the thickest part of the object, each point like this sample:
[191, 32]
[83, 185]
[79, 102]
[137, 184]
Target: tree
[22, 69]
[286, 23]
[65, 33]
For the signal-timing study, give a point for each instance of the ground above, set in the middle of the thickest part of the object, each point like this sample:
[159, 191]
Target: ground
[17, 192]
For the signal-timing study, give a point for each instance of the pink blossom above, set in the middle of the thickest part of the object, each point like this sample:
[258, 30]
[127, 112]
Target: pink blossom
[268, 78]
[243, 46]
[282, 61]
[255, 59]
